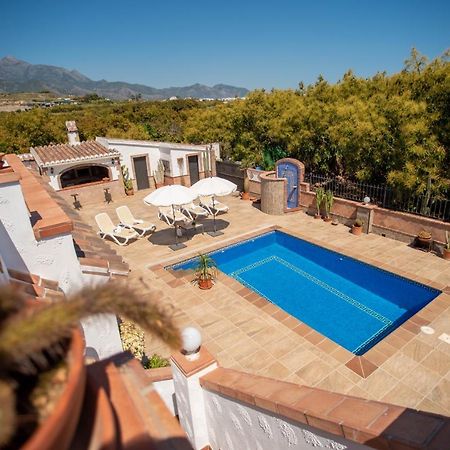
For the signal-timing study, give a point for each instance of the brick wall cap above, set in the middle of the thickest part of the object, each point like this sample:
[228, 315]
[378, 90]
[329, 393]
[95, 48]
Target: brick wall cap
[189, 368]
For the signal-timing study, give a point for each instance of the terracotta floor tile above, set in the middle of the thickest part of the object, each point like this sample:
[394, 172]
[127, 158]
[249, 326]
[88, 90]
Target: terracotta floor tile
[399, 366]
[422, 379]
[437, 361]
[402, 395]
[250, 335]
[416, 350]
[314, 372]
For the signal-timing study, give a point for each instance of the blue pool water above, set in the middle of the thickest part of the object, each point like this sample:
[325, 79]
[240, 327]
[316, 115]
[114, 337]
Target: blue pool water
[350, 302]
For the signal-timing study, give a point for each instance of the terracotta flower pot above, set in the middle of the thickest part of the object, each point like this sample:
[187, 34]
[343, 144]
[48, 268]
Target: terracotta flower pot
[356, 230]
[317, 216]
[129, 192]
[327, 219]
[245, 196]
[446, 254]
[205, 284]
[57, 431]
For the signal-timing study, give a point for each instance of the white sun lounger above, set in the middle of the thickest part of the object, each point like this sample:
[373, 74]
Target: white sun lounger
[128, 220]
[213, 209]
[194, 211]
[119, 234]
[166, 213]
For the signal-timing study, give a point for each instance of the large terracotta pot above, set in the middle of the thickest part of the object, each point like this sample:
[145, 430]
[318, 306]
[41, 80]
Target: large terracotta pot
[205, 284]
[56, 432]
[356, 230]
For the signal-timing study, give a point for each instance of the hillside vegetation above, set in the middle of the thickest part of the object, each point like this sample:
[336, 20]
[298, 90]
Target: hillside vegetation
[393, 129]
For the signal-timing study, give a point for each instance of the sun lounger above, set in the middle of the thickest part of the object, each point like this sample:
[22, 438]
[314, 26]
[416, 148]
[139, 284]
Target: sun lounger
[213, 208]
[194, 211]
[166, 213]
[119, 234]
[128, 220]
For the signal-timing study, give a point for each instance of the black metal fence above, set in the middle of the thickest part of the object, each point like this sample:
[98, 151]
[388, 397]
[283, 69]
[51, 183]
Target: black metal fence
[231, 171]
[382, 195]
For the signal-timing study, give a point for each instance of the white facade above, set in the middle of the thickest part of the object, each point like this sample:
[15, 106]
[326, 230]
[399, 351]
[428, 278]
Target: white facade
[53, 258]
[175, 154]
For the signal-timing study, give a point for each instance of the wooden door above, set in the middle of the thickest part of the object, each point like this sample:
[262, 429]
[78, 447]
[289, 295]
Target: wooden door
[194, 174]
[141, 172]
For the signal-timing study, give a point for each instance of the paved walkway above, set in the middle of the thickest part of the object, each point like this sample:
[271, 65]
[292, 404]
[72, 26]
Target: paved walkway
[257, 338]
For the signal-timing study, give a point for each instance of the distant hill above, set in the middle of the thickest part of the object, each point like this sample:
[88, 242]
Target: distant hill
[20, 76]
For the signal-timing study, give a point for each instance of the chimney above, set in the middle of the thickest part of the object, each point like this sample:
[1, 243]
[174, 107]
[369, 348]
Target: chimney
[72, 132]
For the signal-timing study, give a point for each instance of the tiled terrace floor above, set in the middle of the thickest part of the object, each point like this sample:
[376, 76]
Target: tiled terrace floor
[245, 333]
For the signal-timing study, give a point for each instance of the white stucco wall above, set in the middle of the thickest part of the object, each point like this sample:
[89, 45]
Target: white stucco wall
[166, 390]
[156, 151]
[53, 258]
[190, 405]
[59, 169]
[233, 425]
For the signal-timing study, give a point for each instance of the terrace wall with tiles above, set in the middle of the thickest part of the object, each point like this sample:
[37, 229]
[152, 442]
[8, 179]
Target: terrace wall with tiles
[226, 408]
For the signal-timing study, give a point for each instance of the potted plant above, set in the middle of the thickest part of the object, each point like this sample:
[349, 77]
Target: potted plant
[424, 238]
[328, 201]
[42, 372]
[127, 181]
[357, 227]
[246, 194]
[205, 272]
[446, 251]
[320, 197]
[158, 175]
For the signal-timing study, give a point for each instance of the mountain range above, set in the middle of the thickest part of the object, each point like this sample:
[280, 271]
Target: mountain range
[21, 76]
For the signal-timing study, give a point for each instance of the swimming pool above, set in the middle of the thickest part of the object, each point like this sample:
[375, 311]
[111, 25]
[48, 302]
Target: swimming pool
[351, 302]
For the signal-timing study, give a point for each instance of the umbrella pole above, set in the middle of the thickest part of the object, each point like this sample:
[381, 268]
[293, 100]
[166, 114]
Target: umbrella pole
[177, 245]
[215, 232]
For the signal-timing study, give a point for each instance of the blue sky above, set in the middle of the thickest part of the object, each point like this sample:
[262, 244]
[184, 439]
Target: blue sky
[244, 43]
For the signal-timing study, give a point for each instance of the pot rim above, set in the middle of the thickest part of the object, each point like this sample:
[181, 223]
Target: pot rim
[47, 434]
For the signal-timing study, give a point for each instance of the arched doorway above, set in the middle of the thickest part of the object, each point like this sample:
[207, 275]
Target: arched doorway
[83, 175]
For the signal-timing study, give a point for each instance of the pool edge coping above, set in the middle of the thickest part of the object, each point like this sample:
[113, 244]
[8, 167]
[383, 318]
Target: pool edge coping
[363, 365]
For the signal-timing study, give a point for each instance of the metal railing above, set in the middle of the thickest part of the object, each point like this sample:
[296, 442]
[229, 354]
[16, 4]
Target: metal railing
[382, 195]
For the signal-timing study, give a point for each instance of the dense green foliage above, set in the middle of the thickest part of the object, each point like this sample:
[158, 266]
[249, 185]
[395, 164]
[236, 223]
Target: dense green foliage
[393, 129]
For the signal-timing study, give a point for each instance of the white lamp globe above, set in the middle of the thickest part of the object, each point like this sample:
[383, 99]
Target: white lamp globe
[191, 339]
[366, 200]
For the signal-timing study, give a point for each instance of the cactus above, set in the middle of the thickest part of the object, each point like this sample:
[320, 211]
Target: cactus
[127, 182]
[329, 199]
[158, 174]
[30, 337]
[320, 196]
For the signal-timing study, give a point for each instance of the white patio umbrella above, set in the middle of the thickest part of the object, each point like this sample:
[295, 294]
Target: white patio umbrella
[215, 187]
[173, 195]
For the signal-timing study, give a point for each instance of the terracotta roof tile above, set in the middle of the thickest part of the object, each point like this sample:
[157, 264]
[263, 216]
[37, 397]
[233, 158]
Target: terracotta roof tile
[49, 155]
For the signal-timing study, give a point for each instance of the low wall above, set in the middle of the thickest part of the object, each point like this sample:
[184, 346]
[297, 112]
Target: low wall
[406, 226]
[394, 224]
[93, 193]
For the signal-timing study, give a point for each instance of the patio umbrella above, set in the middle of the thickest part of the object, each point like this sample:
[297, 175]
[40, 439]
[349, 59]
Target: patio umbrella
[173, 195]
[215, 187]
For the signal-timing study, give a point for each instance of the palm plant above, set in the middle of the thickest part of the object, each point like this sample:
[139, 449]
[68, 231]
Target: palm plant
[320, 196]
[32, 337]
[205, 271]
